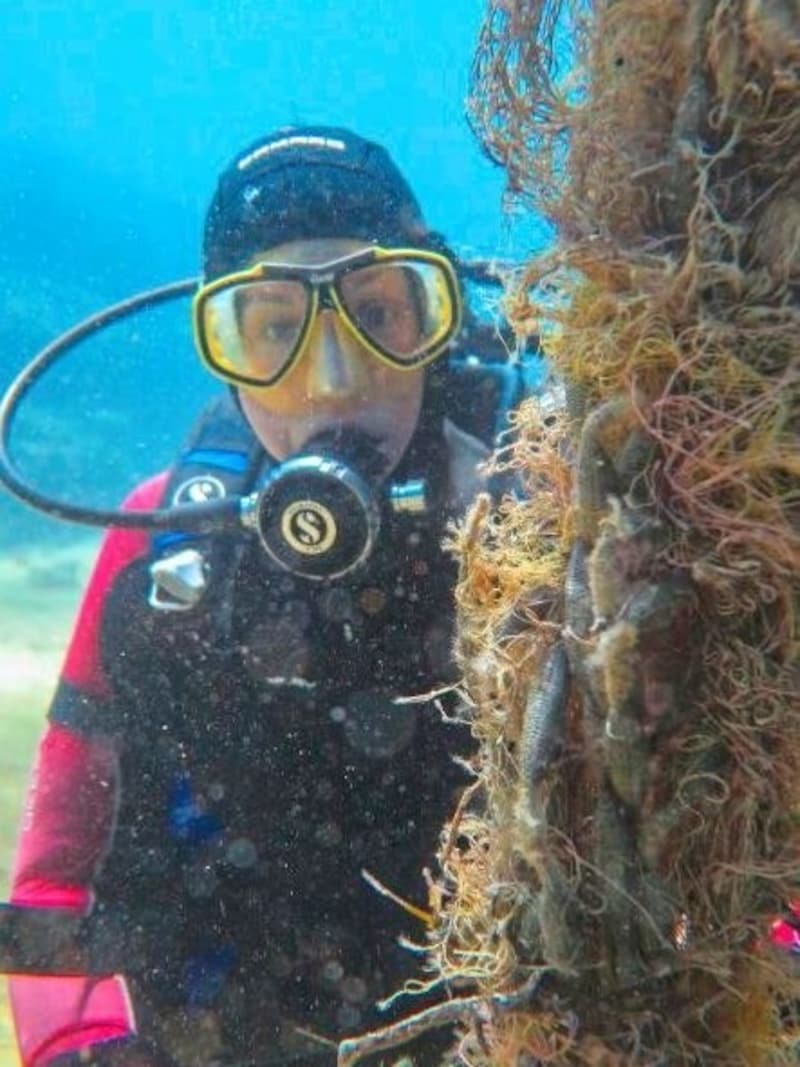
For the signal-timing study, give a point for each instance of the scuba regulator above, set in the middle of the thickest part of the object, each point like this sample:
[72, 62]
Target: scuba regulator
[317, 515]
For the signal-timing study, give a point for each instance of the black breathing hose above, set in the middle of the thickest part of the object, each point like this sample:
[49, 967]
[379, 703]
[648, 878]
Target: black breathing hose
[198, 517]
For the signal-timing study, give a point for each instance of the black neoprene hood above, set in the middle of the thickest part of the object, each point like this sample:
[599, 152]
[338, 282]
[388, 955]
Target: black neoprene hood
[303, 183]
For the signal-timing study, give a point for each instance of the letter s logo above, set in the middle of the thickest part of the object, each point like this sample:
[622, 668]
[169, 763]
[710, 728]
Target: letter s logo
[308, 527]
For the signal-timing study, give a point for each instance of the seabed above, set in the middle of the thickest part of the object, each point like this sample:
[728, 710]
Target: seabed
[40, 587]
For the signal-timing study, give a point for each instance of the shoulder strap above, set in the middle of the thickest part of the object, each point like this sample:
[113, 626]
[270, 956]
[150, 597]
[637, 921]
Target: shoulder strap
[221, 454]
[221, 457]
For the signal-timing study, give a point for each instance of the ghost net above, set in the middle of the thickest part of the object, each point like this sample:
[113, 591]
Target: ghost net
[628, 631]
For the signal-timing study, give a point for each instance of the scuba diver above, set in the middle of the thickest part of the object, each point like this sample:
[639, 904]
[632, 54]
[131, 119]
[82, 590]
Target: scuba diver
[227, 773]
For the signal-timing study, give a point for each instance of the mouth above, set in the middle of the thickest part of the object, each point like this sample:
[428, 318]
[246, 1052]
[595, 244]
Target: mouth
[354, 446]
[341, 429]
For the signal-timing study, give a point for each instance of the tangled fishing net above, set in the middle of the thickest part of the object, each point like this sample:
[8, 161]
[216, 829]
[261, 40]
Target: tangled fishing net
[628, 631]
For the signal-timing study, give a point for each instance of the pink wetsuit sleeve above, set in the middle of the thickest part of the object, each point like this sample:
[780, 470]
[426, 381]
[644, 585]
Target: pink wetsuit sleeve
[67, 828]
[82, 666]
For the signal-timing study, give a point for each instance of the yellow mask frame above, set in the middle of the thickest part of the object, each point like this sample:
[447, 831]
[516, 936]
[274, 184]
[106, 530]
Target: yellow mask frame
[213, 333]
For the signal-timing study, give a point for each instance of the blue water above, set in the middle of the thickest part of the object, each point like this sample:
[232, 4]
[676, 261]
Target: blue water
[117, 119]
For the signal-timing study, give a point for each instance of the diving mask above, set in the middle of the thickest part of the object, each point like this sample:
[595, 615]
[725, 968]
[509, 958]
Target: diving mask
[402, 305]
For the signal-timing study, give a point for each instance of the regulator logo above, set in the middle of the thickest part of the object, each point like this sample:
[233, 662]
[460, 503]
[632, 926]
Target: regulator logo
[308, 527]
[199, 490]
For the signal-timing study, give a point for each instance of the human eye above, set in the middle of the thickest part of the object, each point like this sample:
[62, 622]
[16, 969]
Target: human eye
[377, 315]
[271, 325]
[278, 331]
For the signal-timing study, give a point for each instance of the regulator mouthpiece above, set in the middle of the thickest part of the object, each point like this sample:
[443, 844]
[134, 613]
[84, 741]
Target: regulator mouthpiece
[319, 514]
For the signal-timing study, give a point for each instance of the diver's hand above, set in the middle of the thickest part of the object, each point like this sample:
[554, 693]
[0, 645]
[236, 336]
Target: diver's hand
[128, 1052]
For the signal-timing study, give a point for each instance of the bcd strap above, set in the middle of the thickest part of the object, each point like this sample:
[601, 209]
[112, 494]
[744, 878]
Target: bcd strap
[220, 458]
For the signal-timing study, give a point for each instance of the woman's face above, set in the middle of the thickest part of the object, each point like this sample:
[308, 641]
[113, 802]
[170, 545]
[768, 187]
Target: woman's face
[337, 383]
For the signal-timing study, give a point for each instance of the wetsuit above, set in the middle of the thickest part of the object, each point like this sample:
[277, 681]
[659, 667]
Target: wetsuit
[212, 783]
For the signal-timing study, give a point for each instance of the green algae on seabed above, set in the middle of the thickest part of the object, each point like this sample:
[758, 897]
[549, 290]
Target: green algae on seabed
[39, 591]
[21, 716]
[8, 1046]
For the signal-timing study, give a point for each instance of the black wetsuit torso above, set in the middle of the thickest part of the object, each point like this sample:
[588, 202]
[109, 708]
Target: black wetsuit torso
[264, 765]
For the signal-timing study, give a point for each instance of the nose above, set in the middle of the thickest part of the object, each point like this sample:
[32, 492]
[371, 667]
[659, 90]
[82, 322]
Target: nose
[335, 368]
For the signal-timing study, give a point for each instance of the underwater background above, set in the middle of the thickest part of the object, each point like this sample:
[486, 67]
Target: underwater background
[117, 119]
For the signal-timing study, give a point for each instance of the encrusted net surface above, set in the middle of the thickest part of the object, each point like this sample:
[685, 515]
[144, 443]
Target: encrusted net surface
[628, 633]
